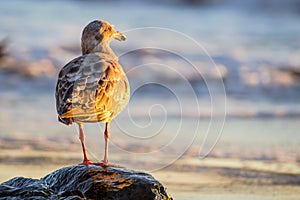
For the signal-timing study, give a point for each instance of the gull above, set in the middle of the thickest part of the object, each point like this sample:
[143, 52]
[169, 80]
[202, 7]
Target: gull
[93, 87]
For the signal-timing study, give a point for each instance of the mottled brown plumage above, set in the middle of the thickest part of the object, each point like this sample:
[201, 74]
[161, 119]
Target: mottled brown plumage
[93, 87]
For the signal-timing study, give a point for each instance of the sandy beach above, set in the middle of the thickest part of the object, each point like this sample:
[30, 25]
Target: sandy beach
[205, 183]
[187, 178]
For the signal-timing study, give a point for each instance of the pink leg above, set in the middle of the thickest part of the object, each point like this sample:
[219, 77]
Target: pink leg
[105, 162]
[86, 161]
[106, 137]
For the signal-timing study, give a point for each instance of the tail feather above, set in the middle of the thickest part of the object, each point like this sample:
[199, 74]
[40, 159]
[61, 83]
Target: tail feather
[66, 121]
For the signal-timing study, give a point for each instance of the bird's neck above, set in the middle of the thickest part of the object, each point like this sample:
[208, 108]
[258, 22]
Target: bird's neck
[103, 48]
[99, 48]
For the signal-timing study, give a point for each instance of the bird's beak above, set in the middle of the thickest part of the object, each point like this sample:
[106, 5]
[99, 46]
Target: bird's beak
[119, 36]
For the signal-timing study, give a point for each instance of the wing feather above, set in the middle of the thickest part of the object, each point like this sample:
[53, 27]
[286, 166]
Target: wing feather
[91, 88]
[76, 79]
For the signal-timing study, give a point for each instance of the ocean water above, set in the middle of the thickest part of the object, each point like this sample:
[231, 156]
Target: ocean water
[203, 76]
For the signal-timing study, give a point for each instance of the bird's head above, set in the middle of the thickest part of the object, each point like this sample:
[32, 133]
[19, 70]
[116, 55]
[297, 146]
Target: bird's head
[99, 33]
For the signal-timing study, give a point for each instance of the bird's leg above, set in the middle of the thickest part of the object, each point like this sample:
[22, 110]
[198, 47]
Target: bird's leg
[86, 161]
[105, 162]
[106, 138]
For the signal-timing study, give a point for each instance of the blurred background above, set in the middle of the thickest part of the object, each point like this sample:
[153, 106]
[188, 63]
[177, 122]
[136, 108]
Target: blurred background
[215, 79]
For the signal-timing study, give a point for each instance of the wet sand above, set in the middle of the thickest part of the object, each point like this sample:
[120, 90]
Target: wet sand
[207, 184]
[187, 178]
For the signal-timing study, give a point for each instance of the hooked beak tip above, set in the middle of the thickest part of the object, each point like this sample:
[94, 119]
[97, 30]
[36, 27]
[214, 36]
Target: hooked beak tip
[120, 36]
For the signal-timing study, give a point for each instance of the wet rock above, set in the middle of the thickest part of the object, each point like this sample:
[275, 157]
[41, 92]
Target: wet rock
[80, 182]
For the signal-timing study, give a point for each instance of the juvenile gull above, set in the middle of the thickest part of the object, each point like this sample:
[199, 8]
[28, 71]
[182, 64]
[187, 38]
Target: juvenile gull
[93, 87]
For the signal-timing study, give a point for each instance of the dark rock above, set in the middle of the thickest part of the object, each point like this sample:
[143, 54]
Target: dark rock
[80, 182]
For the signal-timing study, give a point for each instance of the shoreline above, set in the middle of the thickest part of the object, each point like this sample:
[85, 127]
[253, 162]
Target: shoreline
[263, 172]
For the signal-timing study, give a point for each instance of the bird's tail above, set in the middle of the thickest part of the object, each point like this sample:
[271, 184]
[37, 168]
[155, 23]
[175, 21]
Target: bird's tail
[66, 121]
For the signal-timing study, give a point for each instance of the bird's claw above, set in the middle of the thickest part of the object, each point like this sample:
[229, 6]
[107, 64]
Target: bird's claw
[86, 162]
[107, 164]
[104, 164]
